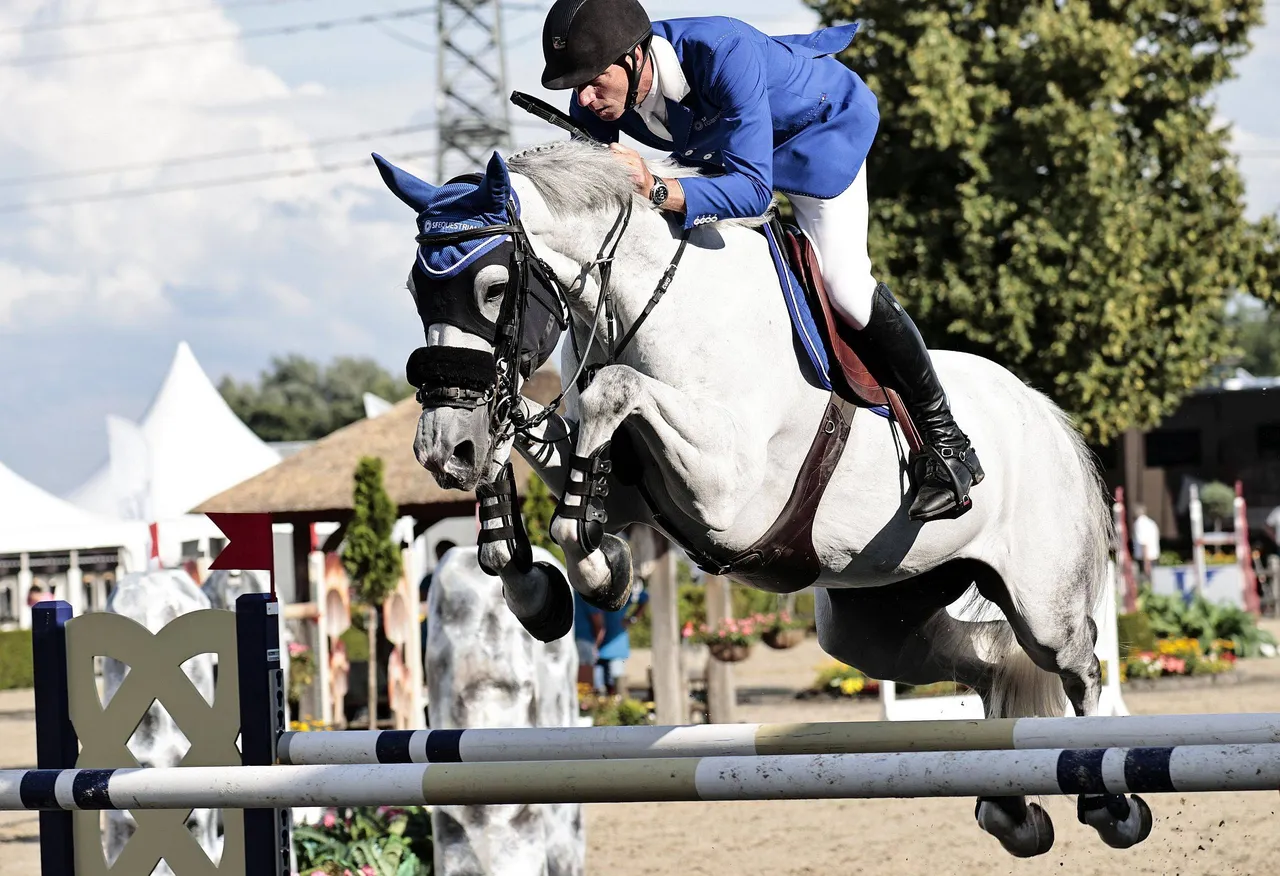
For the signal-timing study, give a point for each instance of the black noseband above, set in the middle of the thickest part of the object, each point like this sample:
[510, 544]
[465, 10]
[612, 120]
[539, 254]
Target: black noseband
[452, 376]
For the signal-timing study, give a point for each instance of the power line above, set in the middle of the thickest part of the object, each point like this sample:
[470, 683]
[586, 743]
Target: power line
[405, 39]
[220, 156]
[146, 15]
[267, 176]
[254, 152]
[285, 30]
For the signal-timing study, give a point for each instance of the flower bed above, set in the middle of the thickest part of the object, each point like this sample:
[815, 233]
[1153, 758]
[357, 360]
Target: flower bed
[607, 710]
[841, 681]
[366, 841]
[1180, 657]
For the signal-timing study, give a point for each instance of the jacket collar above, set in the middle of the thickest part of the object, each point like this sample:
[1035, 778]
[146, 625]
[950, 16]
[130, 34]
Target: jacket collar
[671, 79]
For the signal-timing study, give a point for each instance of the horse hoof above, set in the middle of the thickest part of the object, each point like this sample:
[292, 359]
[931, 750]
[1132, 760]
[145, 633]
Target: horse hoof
[617, 554]
[1121, 823]
[555, 619]
[1032, 837]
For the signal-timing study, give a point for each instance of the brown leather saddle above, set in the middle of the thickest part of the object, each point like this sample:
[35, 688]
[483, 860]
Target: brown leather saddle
[783, 560]
[852, 380]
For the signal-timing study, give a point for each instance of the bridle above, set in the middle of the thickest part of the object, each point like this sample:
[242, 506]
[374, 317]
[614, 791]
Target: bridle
[507, 418]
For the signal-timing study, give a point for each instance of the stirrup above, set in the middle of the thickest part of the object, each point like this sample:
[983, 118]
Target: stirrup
[511, 529]
[592, 490]
[931, 456]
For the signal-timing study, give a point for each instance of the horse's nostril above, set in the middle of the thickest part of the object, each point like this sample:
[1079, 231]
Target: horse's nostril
[465, 453]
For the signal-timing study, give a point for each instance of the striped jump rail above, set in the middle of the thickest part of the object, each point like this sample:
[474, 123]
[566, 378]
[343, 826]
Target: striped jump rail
[712, 740]
[776, 777]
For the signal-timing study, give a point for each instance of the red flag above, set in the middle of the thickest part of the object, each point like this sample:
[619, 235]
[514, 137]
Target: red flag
[153, 560]
[249, 542]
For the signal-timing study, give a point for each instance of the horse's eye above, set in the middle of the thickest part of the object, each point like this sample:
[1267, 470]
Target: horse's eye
[495, 292]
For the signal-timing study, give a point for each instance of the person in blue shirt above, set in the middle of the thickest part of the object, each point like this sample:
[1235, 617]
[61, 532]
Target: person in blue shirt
[603, 640]
[763, 113]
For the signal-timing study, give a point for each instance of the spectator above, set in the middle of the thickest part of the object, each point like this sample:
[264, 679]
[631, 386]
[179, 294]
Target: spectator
[1146, 540]
[603, 641]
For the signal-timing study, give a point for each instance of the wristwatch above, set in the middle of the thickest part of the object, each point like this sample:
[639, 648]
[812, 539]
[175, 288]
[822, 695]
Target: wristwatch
[658, 194]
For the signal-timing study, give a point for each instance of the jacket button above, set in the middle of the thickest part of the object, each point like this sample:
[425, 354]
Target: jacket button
[706, 157]
[688, 152]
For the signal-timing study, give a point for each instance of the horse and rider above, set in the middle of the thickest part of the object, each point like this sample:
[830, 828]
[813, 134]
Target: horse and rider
[699, 417]
[766, 113]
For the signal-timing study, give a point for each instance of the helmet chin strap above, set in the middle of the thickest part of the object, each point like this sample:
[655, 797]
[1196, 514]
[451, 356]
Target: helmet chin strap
[628, 63]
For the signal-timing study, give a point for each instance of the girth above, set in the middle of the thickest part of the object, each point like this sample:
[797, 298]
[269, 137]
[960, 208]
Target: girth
[783, 560]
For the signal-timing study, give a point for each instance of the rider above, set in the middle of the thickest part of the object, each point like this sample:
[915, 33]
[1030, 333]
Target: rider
[761, 112]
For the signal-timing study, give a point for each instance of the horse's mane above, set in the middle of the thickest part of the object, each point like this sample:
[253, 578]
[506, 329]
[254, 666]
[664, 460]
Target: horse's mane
[578, 177]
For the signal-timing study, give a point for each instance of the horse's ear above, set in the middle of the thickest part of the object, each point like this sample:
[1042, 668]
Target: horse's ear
[498, 181]
[404, 185]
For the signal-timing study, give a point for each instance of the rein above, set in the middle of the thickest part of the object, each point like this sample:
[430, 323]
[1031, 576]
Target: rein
[508, 419]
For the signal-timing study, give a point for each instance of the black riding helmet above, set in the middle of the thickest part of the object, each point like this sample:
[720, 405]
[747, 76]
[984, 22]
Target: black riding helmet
[583, 38]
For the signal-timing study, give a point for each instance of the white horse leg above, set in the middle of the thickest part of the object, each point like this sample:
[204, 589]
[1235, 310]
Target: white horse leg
[537, 594]
[697, 441]
[1059, 634]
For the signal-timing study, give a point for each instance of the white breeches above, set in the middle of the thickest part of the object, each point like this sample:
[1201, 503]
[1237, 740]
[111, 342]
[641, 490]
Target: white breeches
[838, 230]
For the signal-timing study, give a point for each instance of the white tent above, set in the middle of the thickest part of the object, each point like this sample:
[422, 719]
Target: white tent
[188, 447]
[33, 521]
[45, 540]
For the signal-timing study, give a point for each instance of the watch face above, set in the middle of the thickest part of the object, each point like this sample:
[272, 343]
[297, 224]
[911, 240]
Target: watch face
[658, 193]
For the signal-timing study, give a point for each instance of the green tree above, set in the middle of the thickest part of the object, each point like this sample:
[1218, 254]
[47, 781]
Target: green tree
[298, 400]
[372, 560]
[1256, 332]
[538, 508]
[1218, 502]
[1049, 189]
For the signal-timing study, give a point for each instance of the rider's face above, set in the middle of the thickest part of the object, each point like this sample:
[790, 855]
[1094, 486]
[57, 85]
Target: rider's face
[606, 95]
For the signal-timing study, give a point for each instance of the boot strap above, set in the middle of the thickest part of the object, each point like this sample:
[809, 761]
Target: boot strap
[592, 488]
[497, 501]
[940, 455]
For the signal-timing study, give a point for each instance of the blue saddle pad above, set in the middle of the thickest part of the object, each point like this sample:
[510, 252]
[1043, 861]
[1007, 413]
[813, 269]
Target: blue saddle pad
[802, 316]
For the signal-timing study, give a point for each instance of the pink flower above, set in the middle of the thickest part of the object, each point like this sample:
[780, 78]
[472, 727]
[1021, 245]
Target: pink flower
[330, 819]
[296, 648]
[368, 870]
[688, 630]
[1173, 665]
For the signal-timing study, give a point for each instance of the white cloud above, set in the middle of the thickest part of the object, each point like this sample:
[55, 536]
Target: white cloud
[124, 260]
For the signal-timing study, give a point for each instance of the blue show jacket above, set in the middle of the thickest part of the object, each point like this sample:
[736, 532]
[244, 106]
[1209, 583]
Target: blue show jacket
[766, 112]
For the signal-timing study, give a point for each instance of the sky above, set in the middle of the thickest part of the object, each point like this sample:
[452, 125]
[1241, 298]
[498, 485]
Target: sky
[101, 276]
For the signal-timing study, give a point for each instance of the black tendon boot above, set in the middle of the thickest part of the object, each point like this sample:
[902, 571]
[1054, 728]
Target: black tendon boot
[894, 352]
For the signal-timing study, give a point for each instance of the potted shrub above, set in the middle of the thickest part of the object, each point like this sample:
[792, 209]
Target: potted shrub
[782, 631]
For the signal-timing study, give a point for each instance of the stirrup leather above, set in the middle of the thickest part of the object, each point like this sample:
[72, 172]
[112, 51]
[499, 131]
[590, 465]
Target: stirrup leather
[591, 489]
[511, 524]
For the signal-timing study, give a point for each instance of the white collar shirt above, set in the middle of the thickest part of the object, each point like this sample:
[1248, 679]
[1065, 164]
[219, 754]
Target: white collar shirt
[669, 83]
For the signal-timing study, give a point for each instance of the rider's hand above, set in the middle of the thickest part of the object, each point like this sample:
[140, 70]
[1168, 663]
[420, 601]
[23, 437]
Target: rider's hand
[640, 173]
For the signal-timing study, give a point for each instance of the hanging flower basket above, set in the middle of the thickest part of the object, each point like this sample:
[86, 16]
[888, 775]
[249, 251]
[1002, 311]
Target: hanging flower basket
[729, 652]
[731, 641]
[781, 638]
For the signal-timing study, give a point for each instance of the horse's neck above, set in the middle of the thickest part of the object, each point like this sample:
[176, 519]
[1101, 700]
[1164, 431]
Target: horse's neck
[646, 249]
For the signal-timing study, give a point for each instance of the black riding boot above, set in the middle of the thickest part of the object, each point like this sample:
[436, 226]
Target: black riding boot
[894, 352]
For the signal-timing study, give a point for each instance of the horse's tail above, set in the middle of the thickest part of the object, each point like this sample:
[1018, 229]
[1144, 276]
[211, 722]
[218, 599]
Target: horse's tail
[1021, 689]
